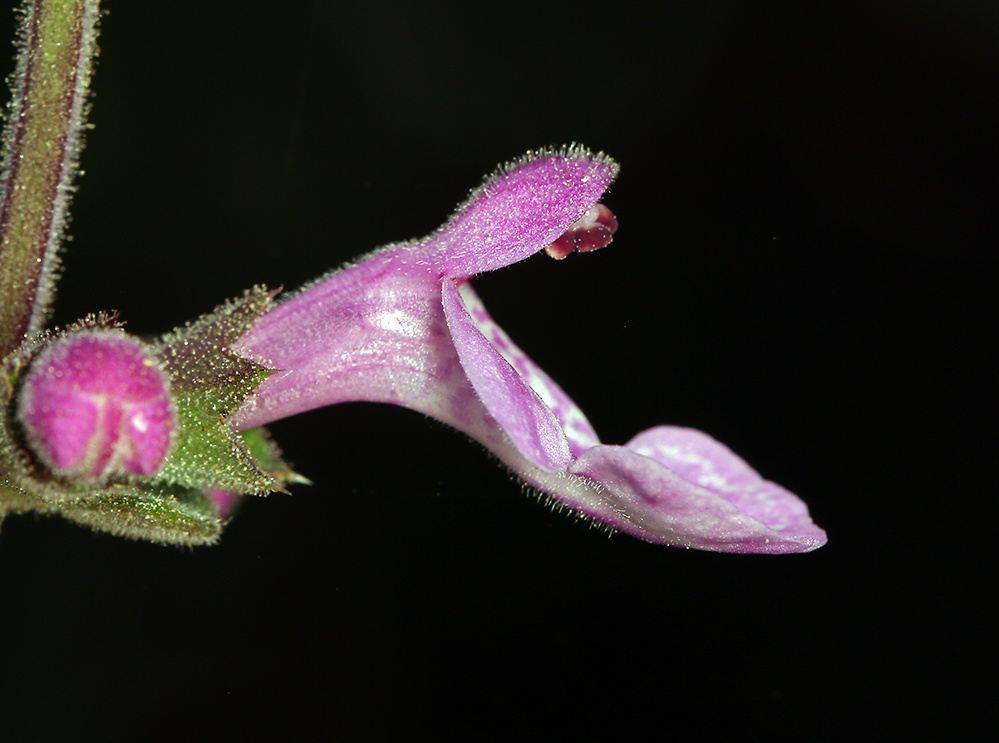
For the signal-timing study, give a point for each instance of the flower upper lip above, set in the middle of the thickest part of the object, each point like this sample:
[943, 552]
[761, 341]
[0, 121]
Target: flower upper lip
[404, 326]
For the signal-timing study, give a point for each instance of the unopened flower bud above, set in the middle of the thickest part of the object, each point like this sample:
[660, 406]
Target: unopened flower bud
[96, 405]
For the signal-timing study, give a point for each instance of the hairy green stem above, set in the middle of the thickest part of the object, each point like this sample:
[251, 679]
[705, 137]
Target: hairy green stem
[42, 142]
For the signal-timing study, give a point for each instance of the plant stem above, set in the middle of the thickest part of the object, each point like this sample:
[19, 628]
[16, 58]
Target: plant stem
[42, 142]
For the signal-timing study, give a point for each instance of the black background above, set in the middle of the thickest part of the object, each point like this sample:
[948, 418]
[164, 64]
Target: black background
[807, 198]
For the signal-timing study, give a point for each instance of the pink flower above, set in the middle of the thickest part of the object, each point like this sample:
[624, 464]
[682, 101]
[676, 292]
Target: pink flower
[404, 326]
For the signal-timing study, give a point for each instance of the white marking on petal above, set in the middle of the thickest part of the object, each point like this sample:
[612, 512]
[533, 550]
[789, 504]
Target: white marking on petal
[139, 423]
[396, 321]
[577, 428]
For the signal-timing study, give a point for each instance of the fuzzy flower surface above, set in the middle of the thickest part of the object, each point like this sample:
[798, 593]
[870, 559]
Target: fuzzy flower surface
[404, 326]
[97, 404]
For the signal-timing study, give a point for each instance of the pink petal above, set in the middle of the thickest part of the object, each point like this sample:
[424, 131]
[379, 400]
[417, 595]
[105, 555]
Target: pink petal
[578, 430]
[697, 457]
[681, 487]
[516, 212]
[509, 399]
[375, 331]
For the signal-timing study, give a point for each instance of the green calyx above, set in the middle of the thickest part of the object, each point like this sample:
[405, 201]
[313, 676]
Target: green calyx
[209, 383]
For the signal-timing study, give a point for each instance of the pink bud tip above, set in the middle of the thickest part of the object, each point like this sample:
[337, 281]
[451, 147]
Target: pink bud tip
[224, 501]
[593, 230]
[96, 405]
